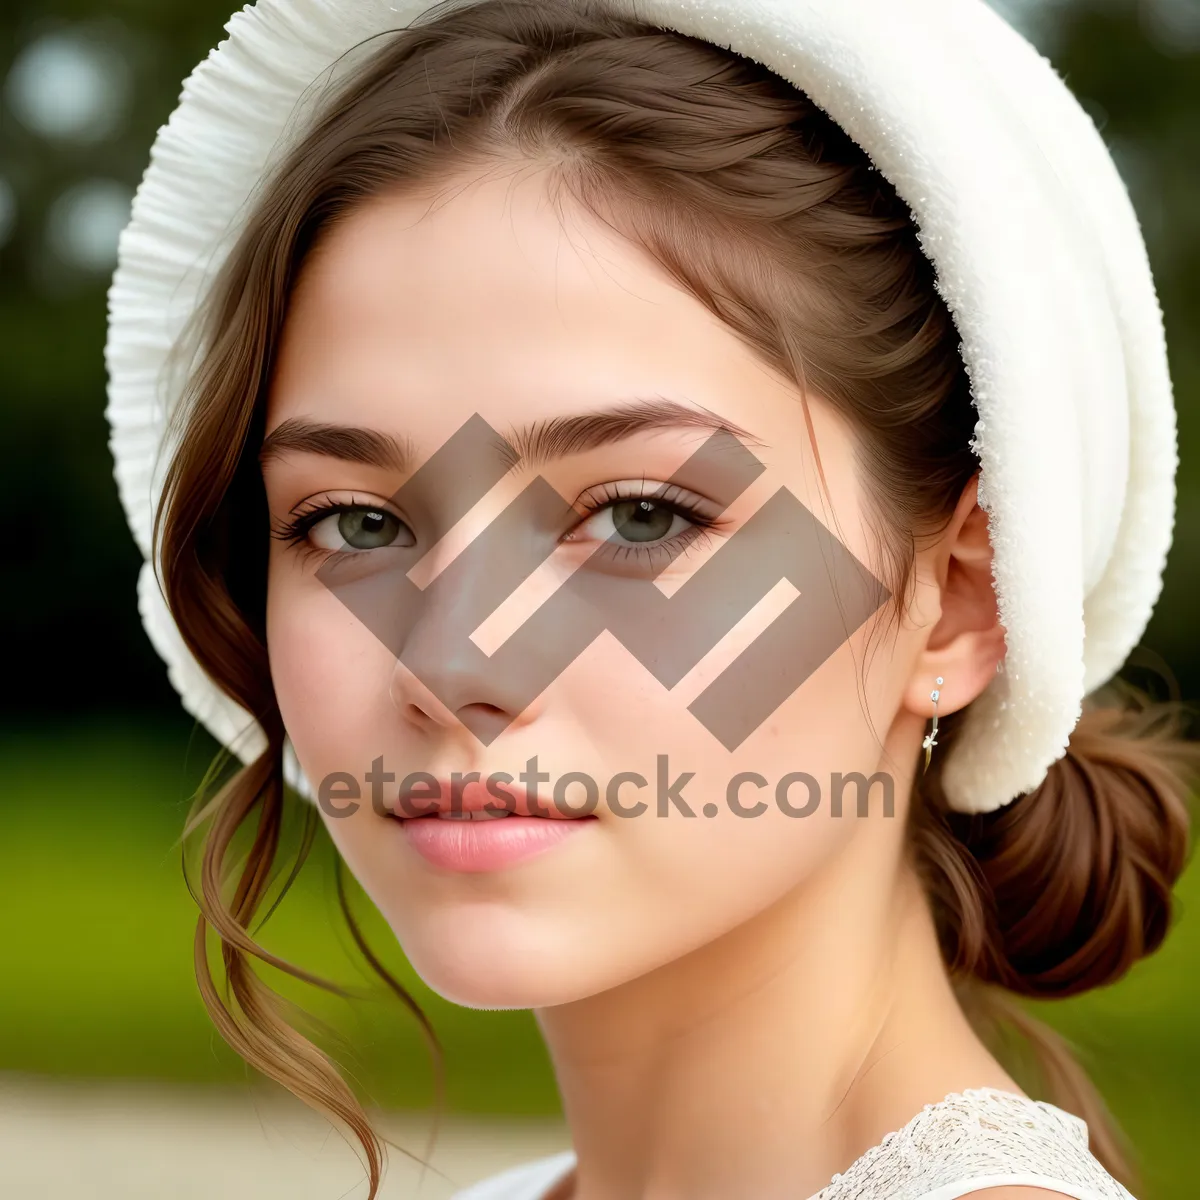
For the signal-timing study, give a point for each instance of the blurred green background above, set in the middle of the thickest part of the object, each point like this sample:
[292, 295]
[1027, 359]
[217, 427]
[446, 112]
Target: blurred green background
[97, 762]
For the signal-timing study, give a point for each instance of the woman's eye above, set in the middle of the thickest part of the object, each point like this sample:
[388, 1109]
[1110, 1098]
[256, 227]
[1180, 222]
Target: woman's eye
[360, 529]
[633, 522]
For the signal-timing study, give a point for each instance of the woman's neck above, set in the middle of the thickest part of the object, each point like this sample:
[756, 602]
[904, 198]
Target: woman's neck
[768, 1060]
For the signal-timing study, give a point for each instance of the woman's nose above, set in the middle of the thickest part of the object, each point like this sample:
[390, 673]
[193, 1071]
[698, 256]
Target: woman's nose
[442, 676]
[443, 682]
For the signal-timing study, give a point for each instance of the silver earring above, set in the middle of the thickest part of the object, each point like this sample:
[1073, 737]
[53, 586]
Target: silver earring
[931, 737]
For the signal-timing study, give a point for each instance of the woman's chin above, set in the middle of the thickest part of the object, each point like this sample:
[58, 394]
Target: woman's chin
[503, 967]
[475, 983]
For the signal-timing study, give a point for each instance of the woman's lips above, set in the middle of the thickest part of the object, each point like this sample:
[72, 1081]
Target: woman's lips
[469, 829]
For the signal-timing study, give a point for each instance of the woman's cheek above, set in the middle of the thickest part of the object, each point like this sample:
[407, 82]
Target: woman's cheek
[330, 674]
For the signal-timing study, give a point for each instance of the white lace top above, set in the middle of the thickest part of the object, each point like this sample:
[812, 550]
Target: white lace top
[971, 1140]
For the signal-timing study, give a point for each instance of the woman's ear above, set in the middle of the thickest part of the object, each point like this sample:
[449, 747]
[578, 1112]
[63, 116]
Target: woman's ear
[966, 641]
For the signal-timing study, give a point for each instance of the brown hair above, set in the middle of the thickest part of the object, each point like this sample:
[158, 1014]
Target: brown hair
[762, 208]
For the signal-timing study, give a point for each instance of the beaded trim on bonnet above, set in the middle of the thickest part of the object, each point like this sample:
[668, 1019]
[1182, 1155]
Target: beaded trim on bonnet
[974, 1135]
[1076, 430]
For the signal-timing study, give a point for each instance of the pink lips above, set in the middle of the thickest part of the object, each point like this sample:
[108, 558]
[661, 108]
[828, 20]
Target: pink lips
[473, 839]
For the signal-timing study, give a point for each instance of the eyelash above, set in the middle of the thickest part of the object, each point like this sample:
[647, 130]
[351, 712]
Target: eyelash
[671, 496]
[295, 529]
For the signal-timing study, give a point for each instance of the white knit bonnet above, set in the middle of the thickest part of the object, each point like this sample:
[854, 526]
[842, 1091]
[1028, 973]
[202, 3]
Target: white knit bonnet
[1019, 206]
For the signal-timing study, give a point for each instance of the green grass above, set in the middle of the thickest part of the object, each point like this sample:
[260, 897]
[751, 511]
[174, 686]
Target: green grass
[96, 926]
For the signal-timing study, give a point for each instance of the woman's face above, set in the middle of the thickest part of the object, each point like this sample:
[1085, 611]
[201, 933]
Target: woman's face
[393, 592]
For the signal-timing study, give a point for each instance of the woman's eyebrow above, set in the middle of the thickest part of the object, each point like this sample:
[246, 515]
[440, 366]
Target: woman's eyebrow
[530, 445]
[557, 437]
[349, 443]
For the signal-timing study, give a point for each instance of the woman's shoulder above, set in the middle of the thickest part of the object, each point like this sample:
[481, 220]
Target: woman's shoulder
[999, 1144]
[982, 1138]
[529, 1181]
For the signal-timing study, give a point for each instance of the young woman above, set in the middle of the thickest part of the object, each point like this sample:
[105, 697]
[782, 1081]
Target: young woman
[679, 571]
